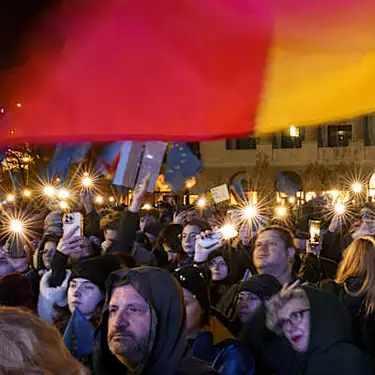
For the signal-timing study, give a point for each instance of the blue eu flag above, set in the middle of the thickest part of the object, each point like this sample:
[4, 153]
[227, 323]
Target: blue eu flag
[181, 165]
[64, 155]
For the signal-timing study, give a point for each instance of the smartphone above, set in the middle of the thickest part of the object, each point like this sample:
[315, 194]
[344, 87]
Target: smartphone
[71, 220]
[210, 242]
[314, 232]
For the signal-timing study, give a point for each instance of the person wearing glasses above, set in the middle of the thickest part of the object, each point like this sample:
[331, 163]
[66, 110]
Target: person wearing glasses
[318, 329]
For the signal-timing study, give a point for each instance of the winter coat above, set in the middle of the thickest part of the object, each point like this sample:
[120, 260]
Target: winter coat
[330, 351]
[272, 353]
[48, 296]
[226, 355]
[170, 354]
[363, 324]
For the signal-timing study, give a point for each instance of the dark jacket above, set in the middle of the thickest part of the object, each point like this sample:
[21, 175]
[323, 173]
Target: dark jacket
[170, 354]
[272, 353]
[331, 351]
[225, 354]
[363, 324]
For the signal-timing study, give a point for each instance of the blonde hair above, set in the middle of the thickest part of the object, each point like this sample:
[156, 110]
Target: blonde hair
[28, 345]
[359, 261]
[278, 301]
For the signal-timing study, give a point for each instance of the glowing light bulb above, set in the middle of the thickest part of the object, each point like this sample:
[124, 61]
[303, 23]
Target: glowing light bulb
[27, 193]
[87, 181]
[292, 200]
[201, 202]
[16, 226]
[228, 231]
[99, 199]
[63, 194]
[250, 212]
[281, 211]
[146, 206]
[339, 208]
[11, 198]
[50, 191]
[357, 187]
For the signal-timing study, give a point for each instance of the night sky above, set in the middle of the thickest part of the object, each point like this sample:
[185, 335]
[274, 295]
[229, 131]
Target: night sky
[15, 18]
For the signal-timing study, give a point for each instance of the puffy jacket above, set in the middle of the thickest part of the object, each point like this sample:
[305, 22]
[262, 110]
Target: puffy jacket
[225, 354]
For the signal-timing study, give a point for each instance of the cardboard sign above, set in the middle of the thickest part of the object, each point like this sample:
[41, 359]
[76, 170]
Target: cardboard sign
[220, 193]
[136, 160]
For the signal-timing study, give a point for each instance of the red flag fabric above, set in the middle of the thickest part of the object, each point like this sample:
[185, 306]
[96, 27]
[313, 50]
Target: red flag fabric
[191, 69]
[144, 69]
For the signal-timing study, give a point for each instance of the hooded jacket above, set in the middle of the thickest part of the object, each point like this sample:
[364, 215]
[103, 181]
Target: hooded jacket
[169, 352]
[330, 350]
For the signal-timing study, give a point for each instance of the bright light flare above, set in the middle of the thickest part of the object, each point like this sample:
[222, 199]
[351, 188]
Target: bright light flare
[27, 193]
[111, 199]
[63, 205]
[228, 231]
[146, 206]
[339, 208]
[16, 226]
[201, 202]
[63, 194]
[11, 197]
[86, 181]
[99, 199]
[357, 187]
[280, 211]
[49, 191]
[250, 212]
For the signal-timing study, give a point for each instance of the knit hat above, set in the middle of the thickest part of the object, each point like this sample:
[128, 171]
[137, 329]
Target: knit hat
[53, 224]
[192, 279]
[15, 291]
[153, 228]
[263, 286]
[97, 269]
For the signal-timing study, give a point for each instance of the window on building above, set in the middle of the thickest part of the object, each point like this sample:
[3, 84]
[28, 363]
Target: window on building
[369, 139]
[339, 135]
[291, 138]
[248, 143]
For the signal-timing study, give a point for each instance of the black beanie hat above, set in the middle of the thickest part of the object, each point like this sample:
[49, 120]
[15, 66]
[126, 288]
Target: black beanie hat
[192, 279]
[263, 286]
[97, 269]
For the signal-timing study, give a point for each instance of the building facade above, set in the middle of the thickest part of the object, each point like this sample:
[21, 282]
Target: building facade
[323, 156]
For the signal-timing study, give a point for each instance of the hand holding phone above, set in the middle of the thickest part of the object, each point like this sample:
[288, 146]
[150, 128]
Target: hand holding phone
[205, 244]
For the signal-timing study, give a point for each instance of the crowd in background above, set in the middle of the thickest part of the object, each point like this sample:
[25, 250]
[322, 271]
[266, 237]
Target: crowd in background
[162, 291]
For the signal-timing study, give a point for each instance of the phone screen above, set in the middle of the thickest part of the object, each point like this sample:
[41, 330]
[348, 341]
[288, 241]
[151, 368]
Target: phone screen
[73, 222]
[314, 232]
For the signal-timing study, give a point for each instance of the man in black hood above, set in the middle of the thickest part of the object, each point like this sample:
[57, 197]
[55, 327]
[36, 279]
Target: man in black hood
[142, 328]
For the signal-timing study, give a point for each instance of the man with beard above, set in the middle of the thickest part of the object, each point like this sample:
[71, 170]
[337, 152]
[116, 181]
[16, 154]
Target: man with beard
[142, 328]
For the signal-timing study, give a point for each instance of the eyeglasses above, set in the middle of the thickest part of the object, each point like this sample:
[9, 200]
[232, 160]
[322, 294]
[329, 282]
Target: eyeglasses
[294, 319]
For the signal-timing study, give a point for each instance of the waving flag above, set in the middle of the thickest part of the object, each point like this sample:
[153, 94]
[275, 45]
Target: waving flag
[181, 165]
[192, 70]
[64, 156]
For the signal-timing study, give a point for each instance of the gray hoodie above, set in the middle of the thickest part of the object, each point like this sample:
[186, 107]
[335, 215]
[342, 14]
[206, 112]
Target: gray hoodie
[169, 352]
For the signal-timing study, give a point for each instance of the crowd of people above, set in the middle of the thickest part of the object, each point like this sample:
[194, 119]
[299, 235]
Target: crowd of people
[163, 291]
